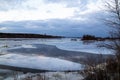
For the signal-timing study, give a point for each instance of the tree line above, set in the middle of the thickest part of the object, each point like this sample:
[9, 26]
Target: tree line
[25, 35]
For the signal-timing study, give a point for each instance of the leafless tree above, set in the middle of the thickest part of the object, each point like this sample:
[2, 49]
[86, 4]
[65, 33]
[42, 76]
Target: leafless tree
[112, 67]
[113, 21]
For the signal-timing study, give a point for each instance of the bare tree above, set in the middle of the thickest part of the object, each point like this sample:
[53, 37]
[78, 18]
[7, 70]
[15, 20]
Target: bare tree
[113, 20]
[112, 66]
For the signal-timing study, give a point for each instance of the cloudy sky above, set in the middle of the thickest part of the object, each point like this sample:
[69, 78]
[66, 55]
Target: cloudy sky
[55, 17]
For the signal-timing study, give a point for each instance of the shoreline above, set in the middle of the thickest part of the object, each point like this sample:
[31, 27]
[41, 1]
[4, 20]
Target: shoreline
[30, 70]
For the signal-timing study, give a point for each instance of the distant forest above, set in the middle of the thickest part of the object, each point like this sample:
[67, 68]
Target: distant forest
[92, 37]
[26, 35]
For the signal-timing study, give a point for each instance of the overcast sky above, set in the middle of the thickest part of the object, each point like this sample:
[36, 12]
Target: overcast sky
[56, 17]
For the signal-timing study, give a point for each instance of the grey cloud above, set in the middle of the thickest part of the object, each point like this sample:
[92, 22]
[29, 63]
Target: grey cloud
[72, 3]
[10, 4]
[62, 27]
[69, 3]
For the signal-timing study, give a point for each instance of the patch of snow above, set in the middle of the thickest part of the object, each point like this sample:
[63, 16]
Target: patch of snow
[28, 46]
[38, 62]
[48, 76]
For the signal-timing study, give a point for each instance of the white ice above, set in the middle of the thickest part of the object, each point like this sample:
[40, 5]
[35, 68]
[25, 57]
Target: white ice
[38, 62]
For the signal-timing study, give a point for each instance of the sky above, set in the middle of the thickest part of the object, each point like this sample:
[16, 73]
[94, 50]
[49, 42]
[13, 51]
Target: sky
[71, 18]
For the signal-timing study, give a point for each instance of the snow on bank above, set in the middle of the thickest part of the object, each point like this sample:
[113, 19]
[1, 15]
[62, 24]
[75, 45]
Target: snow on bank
[38, 62]
[47, 76]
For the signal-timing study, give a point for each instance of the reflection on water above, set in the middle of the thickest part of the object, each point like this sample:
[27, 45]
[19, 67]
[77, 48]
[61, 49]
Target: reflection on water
[87, 42]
